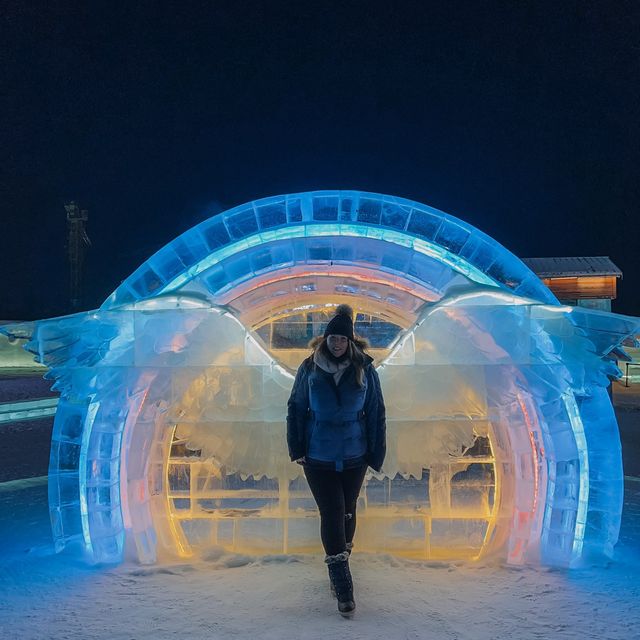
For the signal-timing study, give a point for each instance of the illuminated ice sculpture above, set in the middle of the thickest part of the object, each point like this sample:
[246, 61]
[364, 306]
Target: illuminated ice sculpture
[169, 438]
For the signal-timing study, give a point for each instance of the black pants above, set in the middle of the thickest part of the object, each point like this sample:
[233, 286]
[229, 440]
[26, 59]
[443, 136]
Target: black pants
[336, 494]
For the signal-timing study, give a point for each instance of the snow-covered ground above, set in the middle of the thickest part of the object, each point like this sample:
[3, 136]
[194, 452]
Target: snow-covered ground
[56, 596]
[43, 595]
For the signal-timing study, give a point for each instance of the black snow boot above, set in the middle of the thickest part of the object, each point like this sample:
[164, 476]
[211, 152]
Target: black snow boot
[348, 552]
[341, 581]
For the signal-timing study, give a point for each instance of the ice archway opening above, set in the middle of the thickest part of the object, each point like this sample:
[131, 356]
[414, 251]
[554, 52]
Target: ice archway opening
[169, 436]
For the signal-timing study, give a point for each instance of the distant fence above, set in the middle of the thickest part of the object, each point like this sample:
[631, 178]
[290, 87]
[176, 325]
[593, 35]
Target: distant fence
[631, 373]
[27, 409]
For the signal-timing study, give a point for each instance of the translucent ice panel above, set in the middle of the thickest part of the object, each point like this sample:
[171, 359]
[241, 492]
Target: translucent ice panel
[396, 221]
[170, 430]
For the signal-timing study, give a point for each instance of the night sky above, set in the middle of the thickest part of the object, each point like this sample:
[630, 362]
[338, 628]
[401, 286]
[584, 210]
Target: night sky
[522, 118]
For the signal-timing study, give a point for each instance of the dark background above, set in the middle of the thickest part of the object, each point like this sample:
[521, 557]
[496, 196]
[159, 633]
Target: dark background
[522, 118]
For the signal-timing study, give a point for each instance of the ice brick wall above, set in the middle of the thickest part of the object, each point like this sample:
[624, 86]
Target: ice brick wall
[145, 391]
[169, 435]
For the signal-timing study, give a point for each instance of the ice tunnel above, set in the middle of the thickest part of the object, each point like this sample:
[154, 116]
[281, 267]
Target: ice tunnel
[169, 438]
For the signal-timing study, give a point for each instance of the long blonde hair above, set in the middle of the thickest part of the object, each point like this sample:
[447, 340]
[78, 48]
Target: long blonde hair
[355, 352]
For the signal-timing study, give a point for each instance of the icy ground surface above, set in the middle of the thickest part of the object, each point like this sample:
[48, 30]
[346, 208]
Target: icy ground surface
[280, 597]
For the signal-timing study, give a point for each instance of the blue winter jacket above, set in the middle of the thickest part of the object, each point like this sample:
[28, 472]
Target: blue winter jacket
[336, 426]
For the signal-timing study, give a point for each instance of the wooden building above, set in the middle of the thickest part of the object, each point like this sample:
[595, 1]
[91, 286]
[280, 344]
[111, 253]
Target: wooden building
[585, 281]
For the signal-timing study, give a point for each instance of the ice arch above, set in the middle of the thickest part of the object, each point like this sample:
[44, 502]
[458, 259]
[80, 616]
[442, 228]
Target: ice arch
[169, 436]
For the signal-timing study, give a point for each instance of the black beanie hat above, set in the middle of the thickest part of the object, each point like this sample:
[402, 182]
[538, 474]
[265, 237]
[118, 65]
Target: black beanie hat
[342, 323]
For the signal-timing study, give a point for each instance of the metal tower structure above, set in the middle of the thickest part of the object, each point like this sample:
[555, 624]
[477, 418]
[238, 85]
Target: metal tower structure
[77, 243]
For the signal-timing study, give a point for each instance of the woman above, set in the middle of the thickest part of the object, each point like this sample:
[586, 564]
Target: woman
[335, 429]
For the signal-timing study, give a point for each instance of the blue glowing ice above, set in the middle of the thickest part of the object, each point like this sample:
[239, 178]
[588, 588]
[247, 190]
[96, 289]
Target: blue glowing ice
[169, 433]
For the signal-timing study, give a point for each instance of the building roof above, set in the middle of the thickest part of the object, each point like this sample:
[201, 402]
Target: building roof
[572, 267]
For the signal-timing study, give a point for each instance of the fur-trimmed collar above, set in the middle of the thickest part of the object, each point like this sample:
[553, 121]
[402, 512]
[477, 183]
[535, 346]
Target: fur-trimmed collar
[330, 366]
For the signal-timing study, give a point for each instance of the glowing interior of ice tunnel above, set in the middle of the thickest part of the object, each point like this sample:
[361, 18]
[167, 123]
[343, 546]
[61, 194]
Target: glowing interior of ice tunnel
[169, 436]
